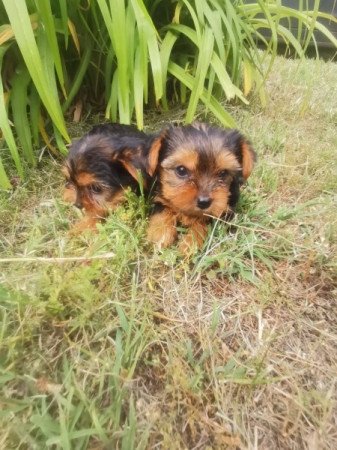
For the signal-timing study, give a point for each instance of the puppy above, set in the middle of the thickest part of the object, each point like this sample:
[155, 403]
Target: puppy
[101, 165]
[199, 171]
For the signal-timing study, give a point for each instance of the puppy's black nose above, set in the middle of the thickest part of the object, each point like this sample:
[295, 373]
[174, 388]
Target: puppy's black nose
[203, 202]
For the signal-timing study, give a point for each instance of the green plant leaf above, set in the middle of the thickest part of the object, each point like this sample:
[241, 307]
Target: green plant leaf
[4, 180]
[19, 102]
[5, 126]
[46, 16]
[204, 58]
[217, 109]
[147, 27]
[20, 22]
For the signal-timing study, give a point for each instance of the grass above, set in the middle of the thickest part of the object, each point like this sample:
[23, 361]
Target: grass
[133, 348]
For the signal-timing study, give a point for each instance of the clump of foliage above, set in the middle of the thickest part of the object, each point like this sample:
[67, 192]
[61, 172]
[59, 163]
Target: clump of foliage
[119, 55]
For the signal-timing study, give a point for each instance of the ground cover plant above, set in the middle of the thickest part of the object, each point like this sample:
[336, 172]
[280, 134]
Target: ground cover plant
[120, 56]
[106, 343]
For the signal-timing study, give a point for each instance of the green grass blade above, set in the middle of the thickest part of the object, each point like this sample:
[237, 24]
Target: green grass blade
[165, 53]
[228, 87]
[108, 70]
[20, 22]
[217, 109]
[123, 108]
[145, 25]
[80, 73]
[143, 61]
[59, 141]
[194, 17]
[184, 29]
[4, 181]
[310, 35]
[138, 90]
[305, 18]
[272, 26]
[19, 101]
[47, 62]
[200, 10]
[204, 58]
[35, 112]
[112, 105]
[214, 20]
[326, 33]
[232, 24]
[114, 20]
[4, 122]
[46, 15]
[64, 19]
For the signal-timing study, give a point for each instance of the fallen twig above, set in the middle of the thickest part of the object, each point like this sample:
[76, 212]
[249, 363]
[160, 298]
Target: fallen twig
[58, 259]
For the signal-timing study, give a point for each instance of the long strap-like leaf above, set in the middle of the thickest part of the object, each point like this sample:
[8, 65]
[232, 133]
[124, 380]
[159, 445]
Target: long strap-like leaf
[21, 25]
[6, 129]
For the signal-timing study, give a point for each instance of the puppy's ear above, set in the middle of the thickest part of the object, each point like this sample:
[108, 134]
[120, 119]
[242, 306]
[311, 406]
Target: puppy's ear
[130, 167]
[132, 161]
[154, 151]
[245, 154]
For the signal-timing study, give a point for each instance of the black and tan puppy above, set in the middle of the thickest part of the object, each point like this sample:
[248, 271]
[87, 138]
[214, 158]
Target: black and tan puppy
[101, 165]
[199, 171]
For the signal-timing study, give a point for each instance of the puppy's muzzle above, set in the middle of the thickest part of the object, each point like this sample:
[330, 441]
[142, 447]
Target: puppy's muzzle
[204, 202]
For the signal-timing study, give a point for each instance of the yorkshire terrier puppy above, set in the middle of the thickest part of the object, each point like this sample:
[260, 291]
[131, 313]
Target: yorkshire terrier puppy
[199, 171]
[101, 165]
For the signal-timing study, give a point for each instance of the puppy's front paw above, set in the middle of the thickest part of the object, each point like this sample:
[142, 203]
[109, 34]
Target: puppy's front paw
[87, 223]
[193, 239]
[187, 245]
[162, 229]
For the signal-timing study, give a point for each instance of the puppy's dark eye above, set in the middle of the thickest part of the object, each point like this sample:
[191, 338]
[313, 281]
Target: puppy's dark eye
[95, 188]
[223, 173]
[181, 171]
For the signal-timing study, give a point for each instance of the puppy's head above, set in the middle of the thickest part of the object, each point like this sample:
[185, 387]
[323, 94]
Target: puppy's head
[95, 176]
[197, 167]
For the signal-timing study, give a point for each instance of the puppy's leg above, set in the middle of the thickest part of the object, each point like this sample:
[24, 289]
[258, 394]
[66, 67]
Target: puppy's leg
[97, 213]
[194, 238]
[87, 223]
[163, 228]
[91, 218]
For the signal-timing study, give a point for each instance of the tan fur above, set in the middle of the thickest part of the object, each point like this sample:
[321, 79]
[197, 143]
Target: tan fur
[93, 212]
[162, 228]
[194, 238]
[184, 157]
[101, 210]
[65, 171]
[154, 154]
[87, 223]
[127, 159]
[247, 160]
[85, 179]
[131, 169]
[220, 201]
[69, 195]
[226, 161]
[117, 200]
[179, 196]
